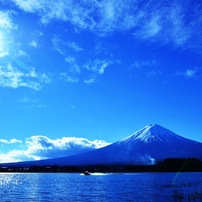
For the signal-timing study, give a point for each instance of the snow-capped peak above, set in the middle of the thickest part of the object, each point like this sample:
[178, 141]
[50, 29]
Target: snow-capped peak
[154, 133]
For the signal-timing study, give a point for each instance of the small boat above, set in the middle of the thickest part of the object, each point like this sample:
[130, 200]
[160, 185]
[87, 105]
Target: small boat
[86, 173]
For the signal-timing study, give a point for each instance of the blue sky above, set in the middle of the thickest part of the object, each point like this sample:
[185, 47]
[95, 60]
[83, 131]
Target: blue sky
[78, 75]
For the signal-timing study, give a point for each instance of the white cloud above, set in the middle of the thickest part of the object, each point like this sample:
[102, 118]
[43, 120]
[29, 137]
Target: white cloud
[3, 53]
[73, 66]
[42, 77]
[31, 103]
[149, 67]
[162, 22]
[89, 81]
[143, 63]
[13, 156]
[14, 78]
[22, 53]
[33, 44]
[63, 47]
[94, 67]
[151, 28]
[97, 66]
[4, 50]
[31, 6]
[27, 100]
[56, 44]
[189, 73]
[101, 15]
[153, 73]
[67, 78]
[11, 141]
[6, 20]
[70, 59]
[42, 147]
[74, 46]
[37, 33]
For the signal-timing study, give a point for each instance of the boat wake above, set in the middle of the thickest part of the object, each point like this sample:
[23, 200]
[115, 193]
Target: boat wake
[96, 174]
[99, 173]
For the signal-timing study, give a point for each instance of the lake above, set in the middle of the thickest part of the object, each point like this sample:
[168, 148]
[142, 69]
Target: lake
[138, 187]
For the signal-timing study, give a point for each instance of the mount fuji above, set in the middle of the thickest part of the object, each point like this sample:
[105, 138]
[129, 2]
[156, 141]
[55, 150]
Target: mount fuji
[147, 146]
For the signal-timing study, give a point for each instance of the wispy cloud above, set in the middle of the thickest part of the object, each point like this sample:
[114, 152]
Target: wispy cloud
[89, 81]
[42, 147]
[189, 73]
[97, 66]
[166, 24]
[153, 73]
[27, 100]
[63, 47]
[34, 44]
[31, 103]
[101, 16]
[3, 53]
[94, 67]
[148, 67]
[11, 141]
[35, 38]
[173, 22]
[6, 21]
[14, 78]
[37, 34]
[74, 46]
[143, 63]
[22, 53]
[67, 78]
[6, 25]
[72, 64]
[57, 45]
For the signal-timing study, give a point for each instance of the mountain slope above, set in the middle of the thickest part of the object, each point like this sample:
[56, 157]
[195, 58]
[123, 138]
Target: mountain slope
[160, 143]
[147, 146]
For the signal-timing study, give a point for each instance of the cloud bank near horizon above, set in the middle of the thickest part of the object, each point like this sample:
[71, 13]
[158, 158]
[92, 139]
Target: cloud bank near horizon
[41, 147]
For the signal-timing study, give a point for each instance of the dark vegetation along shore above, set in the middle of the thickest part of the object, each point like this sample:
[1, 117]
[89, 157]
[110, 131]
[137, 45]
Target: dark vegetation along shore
[168, 165]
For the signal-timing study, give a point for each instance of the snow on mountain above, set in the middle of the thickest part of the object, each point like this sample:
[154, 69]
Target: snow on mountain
[155, 133]
[148, 145]
[159, 143]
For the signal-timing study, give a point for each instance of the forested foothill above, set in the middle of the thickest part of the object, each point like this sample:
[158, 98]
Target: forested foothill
[167, 165]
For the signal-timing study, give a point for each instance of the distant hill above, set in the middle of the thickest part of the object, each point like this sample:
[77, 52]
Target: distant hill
[149, 145]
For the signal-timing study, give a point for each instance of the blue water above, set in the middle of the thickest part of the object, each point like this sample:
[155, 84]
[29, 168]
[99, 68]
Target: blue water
[137, 187]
